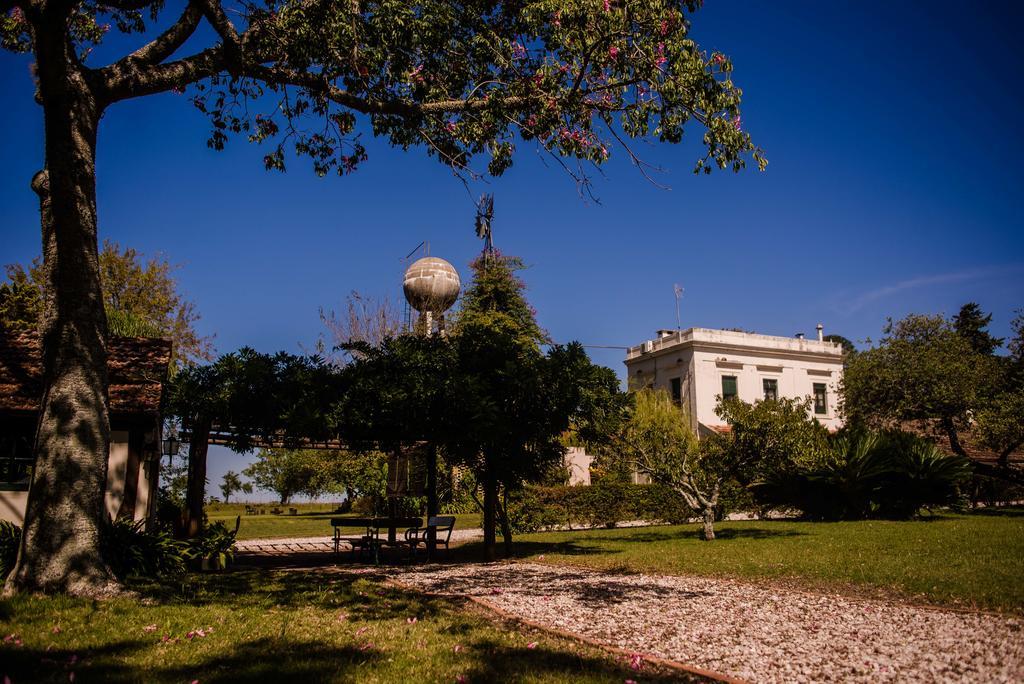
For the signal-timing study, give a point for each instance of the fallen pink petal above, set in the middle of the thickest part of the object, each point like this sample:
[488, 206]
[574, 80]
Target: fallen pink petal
[532, 645]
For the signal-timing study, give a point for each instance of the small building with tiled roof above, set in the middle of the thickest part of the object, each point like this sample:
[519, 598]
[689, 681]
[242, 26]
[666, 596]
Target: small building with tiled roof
[137, 371]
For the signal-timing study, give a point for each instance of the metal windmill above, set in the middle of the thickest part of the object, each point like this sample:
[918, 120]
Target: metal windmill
[484, 215]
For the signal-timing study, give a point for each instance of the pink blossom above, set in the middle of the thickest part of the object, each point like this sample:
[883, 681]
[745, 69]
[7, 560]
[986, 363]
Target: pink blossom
[518, 51]
[532, 645]
[457, 648]
[362, 630]
[636, 661]
[367, 646]
[613, 52]
[411, 621]
[607, 6]
[556, 19]
[342, 616]
[461, 679]
[629, 681]
[149, 628]
[737, 122]
[663, 29]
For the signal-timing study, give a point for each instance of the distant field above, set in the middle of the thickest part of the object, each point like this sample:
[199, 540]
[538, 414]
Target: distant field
[312, 520]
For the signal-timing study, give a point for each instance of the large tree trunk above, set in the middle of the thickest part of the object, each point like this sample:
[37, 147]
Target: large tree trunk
[65, 515]
[490, 507]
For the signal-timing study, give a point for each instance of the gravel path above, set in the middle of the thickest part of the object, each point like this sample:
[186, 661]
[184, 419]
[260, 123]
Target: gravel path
[753, 632]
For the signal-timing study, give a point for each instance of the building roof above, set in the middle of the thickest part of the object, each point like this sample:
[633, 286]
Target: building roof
[732, 339]
[137, 369]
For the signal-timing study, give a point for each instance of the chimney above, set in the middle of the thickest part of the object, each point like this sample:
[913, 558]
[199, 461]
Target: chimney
[799, 336]
[821, 333]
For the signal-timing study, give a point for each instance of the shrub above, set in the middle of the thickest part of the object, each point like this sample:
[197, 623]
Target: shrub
[536, 508]
[214, 546]
[131, 551]
[868, 474]
[923, 477]
[10, 538]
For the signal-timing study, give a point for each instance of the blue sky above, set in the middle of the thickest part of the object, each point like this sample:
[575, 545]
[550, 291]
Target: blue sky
[894, 186]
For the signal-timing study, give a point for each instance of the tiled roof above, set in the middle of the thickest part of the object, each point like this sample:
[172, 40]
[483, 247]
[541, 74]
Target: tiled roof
[137, 369]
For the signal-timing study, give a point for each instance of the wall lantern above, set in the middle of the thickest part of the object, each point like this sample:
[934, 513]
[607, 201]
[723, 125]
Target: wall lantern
[170, 446]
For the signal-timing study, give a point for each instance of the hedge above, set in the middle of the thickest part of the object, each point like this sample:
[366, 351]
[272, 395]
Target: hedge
[536, 508]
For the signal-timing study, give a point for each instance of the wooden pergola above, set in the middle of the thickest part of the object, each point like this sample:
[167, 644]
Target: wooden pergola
[203, 434]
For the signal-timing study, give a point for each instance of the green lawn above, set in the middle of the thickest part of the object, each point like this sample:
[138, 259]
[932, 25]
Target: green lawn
[313, 520]
[283, 627]
[973, 560]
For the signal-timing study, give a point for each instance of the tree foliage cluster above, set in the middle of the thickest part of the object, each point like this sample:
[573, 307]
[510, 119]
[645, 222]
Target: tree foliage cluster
[140, 296]
[783, 458]
[946, 374]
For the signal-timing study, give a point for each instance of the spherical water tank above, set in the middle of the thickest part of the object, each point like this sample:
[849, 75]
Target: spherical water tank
[431, 284]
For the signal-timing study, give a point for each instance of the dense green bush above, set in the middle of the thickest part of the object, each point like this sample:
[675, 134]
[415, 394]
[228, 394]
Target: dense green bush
[892, 474]
[130, 550]
[214, 547]
[605, 503]
[10, 538]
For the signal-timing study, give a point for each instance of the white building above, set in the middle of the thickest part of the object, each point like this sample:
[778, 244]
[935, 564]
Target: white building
[699, 365]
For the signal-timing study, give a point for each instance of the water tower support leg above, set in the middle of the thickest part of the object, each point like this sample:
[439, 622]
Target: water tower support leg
[431, 500]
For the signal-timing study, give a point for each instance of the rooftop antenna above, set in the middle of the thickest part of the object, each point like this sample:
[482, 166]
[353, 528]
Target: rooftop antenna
[484, 215]
[679, 295]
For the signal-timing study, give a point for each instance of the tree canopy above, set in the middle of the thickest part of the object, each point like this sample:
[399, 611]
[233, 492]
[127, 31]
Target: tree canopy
[140, 295]
[316, 78]
[922, 369]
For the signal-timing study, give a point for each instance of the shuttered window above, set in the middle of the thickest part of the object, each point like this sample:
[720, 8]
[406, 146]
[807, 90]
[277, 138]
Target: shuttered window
[677, 389]
[820, 398]
[771, 389]
[729, 388]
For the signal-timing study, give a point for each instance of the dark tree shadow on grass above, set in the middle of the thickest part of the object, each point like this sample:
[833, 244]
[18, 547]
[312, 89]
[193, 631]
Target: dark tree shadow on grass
[269, 660]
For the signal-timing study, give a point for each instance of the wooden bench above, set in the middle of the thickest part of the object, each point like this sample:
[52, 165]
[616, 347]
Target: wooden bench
[441, 524]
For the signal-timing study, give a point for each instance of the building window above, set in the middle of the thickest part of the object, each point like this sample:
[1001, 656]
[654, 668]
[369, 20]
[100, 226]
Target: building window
[677, 389]
[15, 462]
[771, 389]
[729, 388]
[820, 398]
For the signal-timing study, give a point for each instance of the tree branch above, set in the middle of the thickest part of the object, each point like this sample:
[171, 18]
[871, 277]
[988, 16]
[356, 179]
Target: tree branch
[214, 14]
[128, 5]
[168, 42]
[132, 81]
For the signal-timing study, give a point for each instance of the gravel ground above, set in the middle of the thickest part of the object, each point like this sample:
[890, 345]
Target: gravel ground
[751, 631]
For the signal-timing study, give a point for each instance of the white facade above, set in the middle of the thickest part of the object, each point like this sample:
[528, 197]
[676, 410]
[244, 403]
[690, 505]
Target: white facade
[697, 365]
[13, 502]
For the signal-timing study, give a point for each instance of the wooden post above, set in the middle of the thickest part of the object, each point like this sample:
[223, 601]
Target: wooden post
[197, 448]
[136, 438]
[431, 500]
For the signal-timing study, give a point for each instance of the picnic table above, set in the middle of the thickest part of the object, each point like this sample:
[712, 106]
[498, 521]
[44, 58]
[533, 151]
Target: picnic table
[370, 541]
